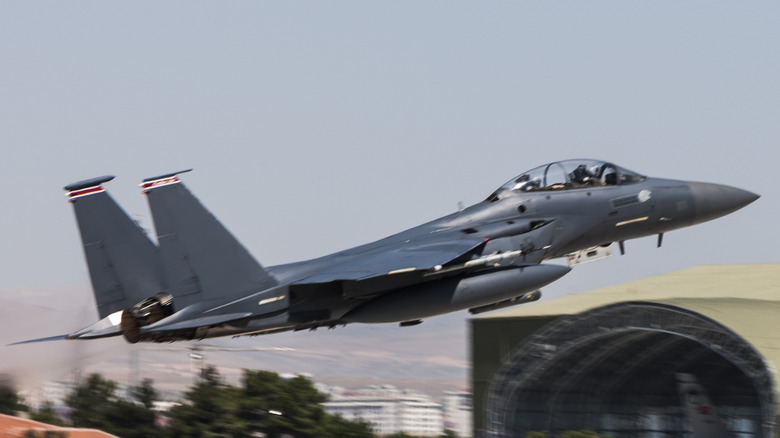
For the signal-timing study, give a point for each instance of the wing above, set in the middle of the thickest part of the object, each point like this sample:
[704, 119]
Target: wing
[407, 258]
[395, 259]
[421, 250]
[391, 265]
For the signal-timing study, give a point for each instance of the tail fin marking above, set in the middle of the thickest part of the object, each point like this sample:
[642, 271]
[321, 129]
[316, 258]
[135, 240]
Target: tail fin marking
[87, 187]
[162, 180]
[124, 264]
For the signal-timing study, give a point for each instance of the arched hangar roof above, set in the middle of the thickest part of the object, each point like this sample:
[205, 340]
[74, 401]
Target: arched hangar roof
[693, 313]
[745, 298]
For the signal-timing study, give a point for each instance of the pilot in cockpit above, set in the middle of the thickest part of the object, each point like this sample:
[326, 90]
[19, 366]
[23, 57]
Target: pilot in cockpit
[609, 175]
[581, 175]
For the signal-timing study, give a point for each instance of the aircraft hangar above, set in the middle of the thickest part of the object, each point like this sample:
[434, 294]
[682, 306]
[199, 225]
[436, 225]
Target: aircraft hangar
[606, 359]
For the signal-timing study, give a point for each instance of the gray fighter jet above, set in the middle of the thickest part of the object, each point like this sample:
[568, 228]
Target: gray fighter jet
[699, 410]
[197, 281]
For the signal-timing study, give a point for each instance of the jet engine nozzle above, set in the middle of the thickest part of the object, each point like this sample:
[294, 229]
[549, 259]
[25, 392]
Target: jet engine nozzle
[146, 312]
[715, 200]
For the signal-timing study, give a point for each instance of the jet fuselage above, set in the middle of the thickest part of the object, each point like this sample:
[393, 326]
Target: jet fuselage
[198, 281]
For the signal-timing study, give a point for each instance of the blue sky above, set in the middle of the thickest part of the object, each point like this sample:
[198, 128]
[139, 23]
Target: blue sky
[313, 127]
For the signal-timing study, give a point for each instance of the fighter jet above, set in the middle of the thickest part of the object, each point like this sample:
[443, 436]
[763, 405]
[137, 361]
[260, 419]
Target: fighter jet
[699, 410]
[197, 281]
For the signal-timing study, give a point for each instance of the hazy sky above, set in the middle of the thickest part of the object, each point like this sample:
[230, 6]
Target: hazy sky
[316, 126]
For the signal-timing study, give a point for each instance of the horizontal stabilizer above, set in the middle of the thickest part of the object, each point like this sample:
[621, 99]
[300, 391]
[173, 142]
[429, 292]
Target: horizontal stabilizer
[47, 339]
[106, 327]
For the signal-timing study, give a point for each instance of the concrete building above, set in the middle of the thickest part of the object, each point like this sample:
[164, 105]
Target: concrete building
[388, 409]
[51, 392]
[457, 412]
[606, 359]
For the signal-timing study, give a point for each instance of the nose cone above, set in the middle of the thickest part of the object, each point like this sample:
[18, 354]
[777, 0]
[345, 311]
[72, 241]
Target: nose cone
[716, 200]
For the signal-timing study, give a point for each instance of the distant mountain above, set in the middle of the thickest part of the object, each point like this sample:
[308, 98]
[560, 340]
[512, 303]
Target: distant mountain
[435, 350]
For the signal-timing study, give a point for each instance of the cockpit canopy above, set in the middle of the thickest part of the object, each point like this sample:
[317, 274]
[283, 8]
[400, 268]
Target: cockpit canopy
[568, 175]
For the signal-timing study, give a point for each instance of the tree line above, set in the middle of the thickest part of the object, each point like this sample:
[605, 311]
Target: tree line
[263, 404]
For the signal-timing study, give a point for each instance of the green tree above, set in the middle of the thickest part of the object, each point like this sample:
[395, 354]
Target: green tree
[338, 427]
[89, 401]
[136, 418]
[10, 403]
[145, 393]
[95, 405]
[276, 406]
[264, 403]
[209, 410]
[400, 434]
[448, 434]
[45, 434]
[46, 414]
[129, 420]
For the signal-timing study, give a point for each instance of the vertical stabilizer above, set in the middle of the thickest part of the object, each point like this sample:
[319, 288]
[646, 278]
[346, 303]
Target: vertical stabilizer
[699, 409]
[124, 264]
[202, 258]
